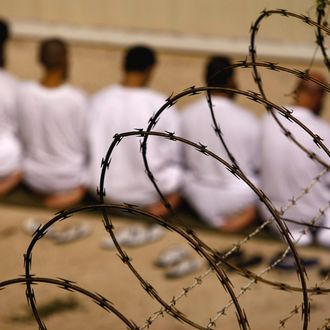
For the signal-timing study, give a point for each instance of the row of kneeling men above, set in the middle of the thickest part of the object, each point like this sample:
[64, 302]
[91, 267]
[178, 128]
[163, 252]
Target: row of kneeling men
[54, 140]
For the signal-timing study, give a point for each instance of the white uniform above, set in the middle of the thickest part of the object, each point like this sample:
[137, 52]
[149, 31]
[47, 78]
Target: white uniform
[214, 192]
[118, 109]
[10, 150]
[52, 126]
[286, 170]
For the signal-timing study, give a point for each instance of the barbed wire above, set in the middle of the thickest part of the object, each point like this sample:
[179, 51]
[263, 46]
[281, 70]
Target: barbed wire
[109, 227]
[296, 309]
[257, 78]
[282, 286]
[255, 97]
[72, 287]
[66, 284]
[321, 5]
[326, 325]
[213, 258]
[238, 245]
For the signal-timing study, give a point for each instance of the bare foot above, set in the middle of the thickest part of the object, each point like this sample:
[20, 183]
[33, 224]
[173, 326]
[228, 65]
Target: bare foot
[66, 199]
[10, 182]
[240, 221]
[159, 210]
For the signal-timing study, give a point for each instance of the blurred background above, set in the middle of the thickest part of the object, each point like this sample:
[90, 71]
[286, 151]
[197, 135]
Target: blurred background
[184, 32]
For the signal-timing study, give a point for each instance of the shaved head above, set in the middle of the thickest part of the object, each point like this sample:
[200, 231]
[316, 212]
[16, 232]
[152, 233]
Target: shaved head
[4, 36]
[139, 58]
[311, 95]
[218, 73]
[53, 53]
[215, 75]
[4, 31]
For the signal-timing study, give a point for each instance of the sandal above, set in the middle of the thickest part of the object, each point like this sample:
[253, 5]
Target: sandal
[134, 236]
[72, 234]
[171, 256]
[288, 263]
[325, 271]
[31, 225]
[185, 267]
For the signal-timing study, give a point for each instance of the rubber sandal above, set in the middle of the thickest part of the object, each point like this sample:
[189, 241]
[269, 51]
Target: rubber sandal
[235, 256]
[155, 232]
[323, 238]
[185, 267]
[72, 234]
[134, 235]
[301, 238]
[254, 260]
[325, 271]
[238, 258]
[288, 263]
[31, 225]
[171, 256]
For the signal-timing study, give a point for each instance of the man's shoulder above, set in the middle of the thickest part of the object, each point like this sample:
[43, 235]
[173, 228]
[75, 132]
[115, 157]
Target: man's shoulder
[195, 106]
[73, 91]
[26, 87]
[158, 96]
[238, 114]
[243, 111]
[106, 93]
[307, 117]
[112, 92]
[8, 84]
[152, 96]
[323, 130]
[8, 78]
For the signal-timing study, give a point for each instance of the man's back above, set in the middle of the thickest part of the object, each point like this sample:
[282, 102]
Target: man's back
[118, 109]
[240, 131]
[52, 128]
[10, 150]
[214, 192]
[287, 170]
[8, 87]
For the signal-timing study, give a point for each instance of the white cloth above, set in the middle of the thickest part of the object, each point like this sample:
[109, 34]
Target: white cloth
[286, 170]
[118, 109]
[52, 126]
[10, 150]
[210, 188]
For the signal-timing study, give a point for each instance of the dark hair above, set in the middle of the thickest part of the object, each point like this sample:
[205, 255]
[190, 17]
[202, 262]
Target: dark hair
[139, 58]
[303, 85]
[4, 36]
[52, 53]
[215, 76]
[4, 31]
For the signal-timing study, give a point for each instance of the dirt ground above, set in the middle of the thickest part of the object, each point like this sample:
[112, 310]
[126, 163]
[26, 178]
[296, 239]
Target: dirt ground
[101, 271]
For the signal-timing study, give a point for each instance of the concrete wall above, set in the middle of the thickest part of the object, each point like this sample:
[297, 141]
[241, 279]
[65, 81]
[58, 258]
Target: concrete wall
[96, 64]
[225, 18]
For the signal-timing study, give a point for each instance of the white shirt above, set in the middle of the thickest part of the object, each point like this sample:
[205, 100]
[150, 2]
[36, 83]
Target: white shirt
[211, 189]
[10, 150]
[52, 126]
[286, 170]
[118, 109]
